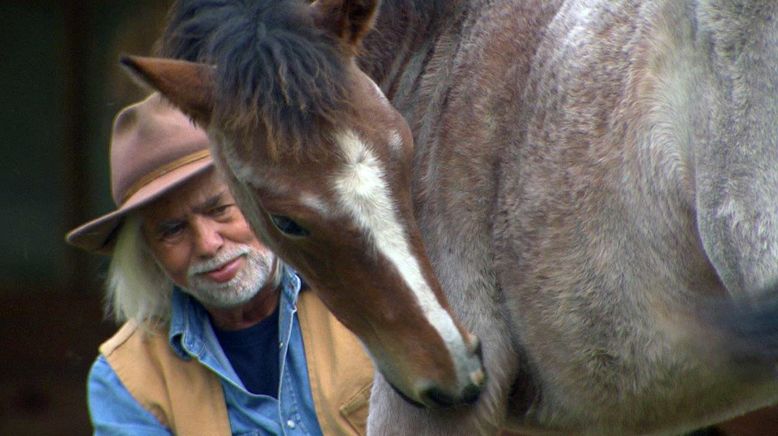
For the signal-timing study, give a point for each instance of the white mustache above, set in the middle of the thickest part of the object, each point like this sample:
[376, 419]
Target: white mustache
[218, 261]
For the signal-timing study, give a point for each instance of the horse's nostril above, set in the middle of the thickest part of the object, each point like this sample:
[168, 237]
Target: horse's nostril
[471, 393]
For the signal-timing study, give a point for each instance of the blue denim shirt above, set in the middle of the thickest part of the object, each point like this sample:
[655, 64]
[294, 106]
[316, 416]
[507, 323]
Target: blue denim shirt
[114, 411]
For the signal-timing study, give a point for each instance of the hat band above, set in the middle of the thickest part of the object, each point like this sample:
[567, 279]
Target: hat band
[161, 171]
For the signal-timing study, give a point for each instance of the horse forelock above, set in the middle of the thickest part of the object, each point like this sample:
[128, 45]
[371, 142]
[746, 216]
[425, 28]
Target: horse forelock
[277, 72]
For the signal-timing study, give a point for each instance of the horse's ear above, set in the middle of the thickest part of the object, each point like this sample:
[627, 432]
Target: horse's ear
[350, 20]
[188, 85]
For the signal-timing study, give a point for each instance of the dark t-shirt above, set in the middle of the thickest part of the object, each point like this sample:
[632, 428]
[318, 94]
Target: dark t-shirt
[253, 353]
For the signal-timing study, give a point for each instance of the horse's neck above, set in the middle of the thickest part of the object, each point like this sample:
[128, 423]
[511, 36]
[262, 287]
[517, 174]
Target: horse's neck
[461, 102]
[407, 34]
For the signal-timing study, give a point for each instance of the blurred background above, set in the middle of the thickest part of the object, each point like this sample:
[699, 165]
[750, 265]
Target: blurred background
[61, 87]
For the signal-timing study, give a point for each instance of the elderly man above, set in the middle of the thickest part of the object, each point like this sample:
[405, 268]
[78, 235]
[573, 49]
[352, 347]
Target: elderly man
[218, 337]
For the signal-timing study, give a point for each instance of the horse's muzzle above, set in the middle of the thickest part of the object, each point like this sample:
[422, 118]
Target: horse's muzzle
[433, 396]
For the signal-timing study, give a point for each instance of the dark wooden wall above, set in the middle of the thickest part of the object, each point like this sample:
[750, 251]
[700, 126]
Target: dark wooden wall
[61, 87]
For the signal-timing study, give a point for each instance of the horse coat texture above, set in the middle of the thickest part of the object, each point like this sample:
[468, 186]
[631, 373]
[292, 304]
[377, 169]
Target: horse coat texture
[590, 190]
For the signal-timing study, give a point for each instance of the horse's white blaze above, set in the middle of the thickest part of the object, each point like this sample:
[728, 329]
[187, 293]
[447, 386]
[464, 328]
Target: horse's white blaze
[395, 140]
[362, 190]
[381, 95]
[315, 203]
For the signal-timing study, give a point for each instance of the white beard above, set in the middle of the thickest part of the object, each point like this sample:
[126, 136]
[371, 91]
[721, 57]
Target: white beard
[255, 274]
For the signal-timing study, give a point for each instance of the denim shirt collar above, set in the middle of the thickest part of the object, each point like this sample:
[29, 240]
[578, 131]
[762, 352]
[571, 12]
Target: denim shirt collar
[190, 326]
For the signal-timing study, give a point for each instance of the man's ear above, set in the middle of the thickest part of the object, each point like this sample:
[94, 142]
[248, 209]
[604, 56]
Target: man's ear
[188, 85]
[349, 20]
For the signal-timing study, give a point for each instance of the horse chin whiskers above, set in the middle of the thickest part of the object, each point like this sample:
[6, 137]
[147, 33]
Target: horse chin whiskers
[434, 397]
[431, 397]
[407, 399]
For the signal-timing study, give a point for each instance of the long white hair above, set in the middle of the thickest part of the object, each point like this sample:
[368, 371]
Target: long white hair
[137, 287]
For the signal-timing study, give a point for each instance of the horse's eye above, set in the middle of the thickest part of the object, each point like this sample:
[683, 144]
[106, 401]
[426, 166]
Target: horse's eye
[288, 226]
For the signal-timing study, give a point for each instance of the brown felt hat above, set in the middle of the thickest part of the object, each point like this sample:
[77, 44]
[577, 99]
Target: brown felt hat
[154, 148]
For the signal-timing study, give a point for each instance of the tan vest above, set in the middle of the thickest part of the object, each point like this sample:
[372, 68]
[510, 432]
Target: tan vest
[188, 398]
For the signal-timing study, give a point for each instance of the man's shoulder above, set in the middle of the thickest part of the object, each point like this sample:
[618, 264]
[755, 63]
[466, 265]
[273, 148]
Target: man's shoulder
[181, 394]
[132, 332]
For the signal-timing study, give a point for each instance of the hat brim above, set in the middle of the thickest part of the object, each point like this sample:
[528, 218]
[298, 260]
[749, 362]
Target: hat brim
[99, 234]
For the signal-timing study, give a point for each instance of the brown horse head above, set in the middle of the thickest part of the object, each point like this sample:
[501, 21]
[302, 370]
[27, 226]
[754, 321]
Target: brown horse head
[319, 161]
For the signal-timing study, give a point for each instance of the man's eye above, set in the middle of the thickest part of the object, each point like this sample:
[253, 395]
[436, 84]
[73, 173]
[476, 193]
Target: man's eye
[288, 226]
[171, 232]
[220, 210]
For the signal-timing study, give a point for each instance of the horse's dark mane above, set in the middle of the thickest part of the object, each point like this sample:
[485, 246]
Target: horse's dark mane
[274, 66]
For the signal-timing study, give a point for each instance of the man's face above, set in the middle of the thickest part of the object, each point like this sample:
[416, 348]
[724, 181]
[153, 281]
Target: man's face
[200, 238]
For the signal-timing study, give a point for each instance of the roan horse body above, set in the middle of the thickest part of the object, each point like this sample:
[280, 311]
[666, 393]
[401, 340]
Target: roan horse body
[587, 178]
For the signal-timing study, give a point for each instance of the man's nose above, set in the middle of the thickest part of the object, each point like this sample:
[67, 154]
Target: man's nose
[207, 238]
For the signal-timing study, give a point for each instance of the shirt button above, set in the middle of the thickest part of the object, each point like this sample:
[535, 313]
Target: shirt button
[280, 344]
[291, 424]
